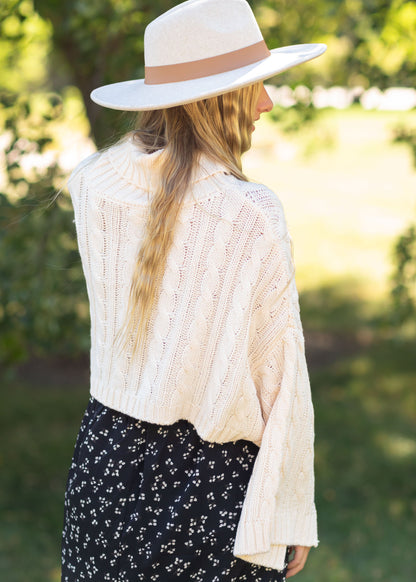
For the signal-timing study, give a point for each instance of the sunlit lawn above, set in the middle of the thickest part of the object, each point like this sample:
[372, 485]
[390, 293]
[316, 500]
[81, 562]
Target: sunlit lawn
[345, 205]
[348, 191]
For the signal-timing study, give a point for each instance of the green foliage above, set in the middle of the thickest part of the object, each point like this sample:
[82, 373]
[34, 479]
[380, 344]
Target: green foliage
[392, 49]
[404, 253]
[358, 34]
[99, 42]
[295, 118]
[407, 136]
[404, 278]
[43, 306]
[24, 47]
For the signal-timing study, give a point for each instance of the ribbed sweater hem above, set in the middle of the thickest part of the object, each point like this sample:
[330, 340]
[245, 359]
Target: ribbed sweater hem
[149, 411]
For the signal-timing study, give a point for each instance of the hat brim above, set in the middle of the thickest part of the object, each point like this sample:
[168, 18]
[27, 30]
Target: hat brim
[135, 95]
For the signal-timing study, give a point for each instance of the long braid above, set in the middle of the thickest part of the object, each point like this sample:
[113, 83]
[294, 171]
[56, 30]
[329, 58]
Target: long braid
[218, 127]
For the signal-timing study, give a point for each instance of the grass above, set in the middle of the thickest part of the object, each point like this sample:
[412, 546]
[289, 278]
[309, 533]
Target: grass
[366, 462]
[37, 435]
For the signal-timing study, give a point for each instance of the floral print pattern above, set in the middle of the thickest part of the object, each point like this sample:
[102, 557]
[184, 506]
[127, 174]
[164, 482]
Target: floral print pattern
[146, 502]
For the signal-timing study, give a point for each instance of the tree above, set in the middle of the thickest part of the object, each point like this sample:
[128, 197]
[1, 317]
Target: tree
[99, 42]
[43, 303]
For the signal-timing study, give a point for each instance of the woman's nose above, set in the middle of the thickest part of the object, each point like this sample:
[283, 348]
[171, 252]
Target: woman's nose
[264, 103]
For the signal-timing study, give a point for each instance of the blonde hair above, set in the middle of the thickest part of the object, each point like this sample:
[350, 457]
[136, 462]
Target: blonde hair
[219, 127]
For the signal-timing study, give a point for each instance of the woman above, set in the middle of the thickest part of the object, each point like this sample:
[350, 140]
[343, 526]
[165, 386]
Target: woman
[194, 460]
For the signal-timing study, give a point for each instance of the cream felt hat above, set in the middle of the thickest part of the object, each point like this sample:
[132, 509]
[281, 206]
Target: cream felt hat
[199, 49]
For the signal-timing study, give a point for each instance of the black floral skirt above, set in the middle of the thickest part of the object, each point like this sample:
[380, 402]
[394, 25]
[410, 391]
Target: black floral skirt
[154, 503]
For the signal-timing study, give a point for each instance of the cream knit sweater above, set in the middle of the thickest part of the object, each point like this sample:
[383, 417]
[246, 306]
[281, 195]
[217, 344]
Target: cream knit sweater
[225, 349]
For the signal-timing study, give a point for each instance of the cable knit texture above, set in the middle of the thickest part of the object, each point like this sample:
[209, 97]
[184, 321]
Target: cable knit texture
[225, 348]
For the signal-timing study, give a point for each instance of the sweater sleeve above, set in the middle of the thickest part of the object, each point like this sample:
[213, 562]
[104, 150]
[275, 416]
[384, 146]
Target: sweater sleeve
[279, 508]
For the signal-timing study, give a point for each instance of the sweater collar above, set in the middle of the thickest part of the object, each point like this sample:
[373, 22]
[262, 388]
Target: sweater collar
[137, 167]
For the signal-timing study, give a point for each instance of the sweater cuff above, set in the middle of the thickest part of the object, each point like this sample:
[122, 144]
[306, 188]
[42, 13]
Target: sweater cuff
[252, 544]
[264, 542]
[296, 528]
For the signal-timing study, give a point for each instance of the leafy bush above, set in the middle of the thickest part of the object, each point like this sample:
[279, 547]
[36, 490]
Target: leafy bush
[404, 278]
[43, 303]
[407, 136]
[404, 253]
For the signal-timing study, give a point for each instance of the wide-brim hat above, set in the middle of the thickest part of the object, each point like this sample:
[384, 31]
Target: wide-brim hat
[199, 49]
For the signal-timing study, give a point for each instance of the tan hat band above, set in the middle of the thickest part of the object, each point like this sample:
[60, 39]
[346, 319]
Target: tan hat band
[206, 67]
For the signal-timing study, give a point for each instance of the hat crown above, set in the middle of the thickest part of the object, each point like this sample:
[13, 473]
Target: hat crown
[200, 29]
[200, 49]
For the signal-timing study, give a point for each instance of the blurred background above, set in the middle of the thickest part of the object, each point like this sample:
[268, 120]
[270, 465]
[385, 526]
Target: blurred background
[339, 149]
